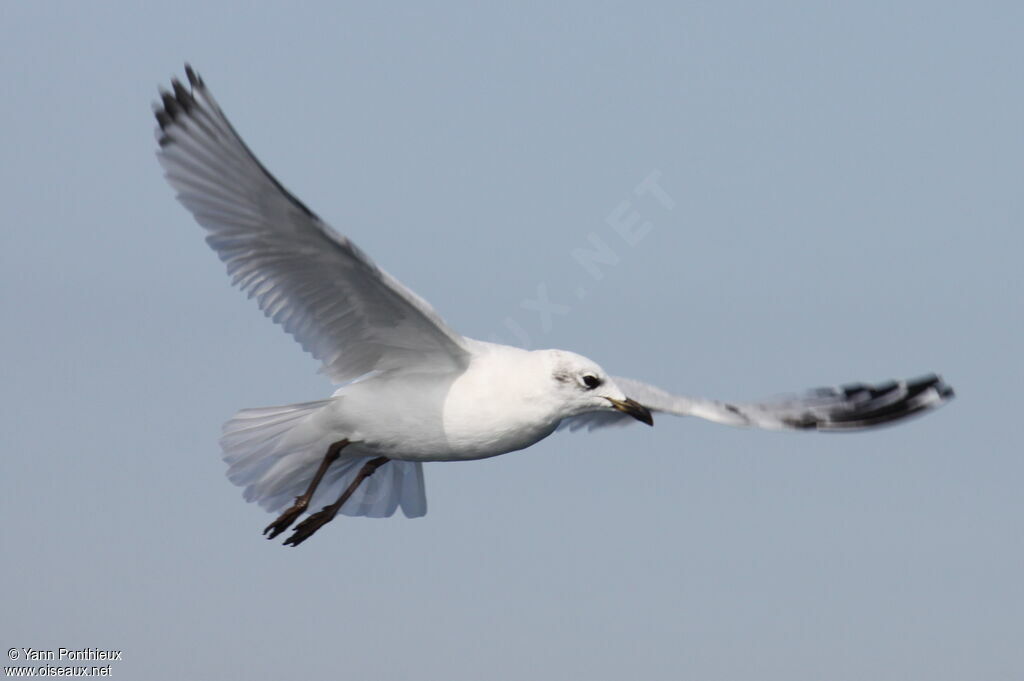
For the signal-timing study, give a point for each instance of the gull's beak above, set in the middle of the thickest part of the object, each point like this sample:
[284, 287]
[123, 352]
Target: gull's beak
[634, 409]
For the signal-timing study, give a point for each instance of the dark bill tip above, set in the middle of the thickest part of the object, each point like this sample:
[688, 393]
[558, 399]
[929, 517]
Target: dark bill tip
[634, 409]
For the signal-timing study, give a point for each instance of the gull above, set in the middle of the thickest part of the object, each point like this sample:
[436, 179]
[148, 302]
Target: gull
[412, 389]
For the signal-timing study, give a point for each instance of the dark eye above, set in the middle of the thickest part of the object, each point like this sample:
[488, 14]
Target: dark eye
[591, 381]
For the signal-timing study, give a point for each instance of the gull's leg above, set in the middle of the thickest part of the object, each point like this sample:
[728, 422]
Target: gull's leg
[285, 520]
[307, 527]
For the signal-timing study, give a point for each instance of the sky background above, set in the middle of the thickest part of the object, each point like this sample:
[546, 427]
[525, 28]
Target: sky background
[846, 205]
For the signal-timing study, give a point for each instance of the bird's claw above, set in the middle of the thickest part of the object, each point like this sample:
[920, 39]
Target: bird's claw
[285, 520]
[307, 527]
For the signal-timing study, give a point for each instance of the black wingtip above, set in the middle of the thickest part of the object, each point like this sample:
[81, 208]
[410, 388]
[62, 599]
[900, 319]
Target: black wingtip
[943, 389]
[171, 107]
[176, 102]
[162, 118]
[888, 402]
[182, 96]
[196, 109]
[193, 78]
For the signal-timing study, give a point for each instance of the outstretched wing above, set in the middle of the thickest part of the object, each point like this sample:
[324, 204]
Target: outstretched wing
[318, 285]
[850, 407]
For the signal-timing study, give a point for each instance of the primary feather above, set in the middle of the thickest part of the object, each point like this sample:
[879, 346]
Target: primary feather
[341, 307]
[850, 407]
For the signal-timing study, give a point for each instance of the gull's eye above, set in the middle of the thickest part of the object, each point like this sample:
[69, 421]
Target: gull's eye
[590, 381]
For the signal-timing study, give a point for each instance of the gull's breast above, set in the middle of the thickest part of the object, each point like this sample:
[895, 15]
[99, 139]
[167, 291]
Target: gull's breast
[490, 409]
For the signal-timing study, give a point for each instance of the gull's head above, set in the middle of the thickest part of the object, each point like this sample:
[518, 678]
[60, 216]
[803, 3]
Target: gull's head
[584, 387]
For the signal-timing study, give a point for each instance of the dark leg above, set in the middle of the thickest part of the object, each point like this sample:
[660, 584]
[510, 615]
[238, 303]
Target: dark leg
[285, 520]
[307, 527]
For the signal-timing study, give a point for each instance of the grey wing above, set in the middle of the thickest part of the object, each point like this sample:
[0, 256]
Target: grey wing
[850, 407]
[596, 419]
[316, 283]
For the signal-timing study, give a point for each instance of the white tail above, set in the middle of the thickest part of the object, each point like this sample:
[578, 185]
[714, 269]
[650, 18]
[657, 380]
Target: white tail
[273, 452]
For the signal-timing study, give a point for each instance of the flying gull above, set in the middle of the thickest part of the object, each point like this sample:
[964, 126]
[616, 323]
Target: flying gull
[412, 389]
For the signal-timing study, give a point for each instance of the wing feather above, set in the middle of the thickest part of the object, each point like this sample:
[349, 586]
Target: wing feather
[850, 407]
[342, 308]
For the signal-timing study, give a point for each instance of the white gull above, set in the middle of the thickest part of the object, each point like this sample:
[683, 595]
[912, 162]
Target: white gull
[413, 389]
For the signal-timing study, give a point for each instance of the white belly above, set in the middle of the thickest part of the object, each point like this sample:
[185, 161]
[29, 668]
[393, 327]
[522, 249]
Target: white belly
[431, 417]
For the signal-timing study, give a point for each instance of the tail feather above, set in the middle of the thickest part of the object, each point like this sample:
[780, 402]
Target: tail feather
[252, 440]
[273, 452]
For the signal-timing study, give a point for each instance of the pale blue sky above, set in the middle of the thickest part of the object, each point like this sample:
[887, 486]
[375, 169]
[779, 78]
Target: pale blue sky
[847, 206]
